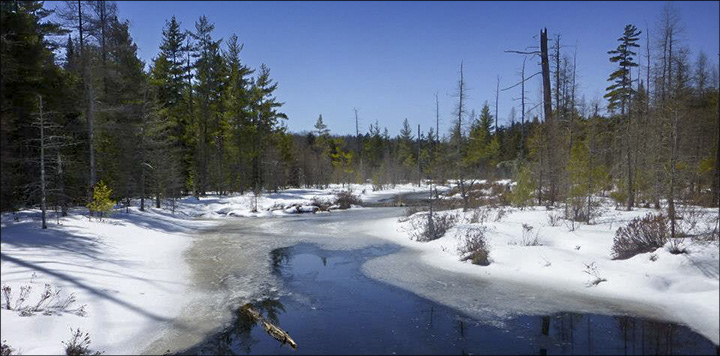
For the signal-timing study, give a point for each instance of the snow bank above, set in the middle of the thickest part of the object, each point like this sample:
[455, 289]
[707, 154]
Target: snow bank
[289, 201]
[127, 271]
[685, 287]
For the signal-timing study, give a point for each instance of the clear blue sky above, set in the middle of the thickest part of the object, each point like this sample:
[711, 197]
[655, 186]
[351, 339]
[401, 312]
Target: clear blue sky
[389, 58]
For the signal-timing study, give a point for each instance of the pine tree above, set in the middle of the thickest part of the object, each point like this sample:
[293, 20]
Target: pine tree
[210, 75]
[264, 120]
[237, 110]
[101, 202]
[406, 152]
[620, 92]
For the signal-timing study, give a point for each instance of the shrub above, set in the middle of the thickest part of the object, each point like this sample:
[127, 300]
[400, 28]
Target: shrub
[553, 219]
[322, 205]
[473, 246]
[500, 214]
[522, 192]
[7, 294]
[698, 223]
[79, 344]
[101, 202]
[427, 227]
[641, 235]
[5, 349]
[414, 209]
[346, 198]
[49, 302]
[528, 238]
[592, 270]
[479, 215]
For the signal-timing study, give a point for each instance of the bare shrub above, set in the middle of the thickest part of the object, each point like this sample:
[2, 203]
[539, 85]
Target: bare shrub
[322, 205]
[427, 227]
[572, 224]
[79, 344]
[500, 214]
[473, 246]
[447, 204]
[414, 209]
[677, 246]
[345, 199]
[49, 302]
[641, 235]
[479, 215]
[697, 223]
[592, 270]
[5, 349]
[528, 238]
[24, 292]
[7, 294]
[553, 219]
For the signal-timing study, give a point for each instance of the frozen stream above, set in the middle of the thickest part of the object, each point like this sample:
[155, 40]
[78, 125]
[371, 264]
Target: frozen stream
[337, 290]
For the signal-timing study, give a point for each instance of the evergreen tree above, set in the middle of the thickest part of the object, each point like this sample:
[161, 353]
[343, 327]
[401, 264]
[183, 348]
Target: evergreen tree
[620, 92]
[264, 120]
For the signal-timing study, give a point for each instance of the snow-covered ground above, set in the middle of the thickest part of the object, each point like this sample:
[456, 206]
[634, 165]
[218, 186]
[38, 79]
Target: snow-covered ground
[685, 286]
[130, 273]
[285, 202]
[127, 271]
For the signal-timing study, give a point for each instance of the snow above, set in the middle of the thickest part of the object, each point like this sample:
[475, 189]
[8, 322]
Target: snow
[131, 270]
[127, 270]
[683, 287]
[287, 202]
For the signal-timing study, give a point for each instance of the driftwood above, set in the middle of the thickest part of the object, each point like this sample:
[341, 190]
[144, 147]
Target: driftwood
[272, 330]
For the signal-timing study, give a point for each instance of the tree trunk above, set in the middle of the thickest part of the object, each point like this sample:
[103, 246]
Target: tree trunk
[673, 159]
[547, 101]
[43, 198]
[89, 103]
[547, 109]
[142, 188]
[61, 186]
[272, 330]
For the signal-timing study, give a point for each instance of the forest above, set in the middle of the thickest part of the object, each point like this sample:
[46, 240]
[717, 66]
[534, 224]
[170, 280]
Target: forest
[82, 112]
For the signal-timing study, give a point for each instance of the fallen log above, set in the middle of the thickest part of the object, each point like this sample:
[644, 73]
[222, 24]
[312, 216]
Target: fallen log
[272, 330]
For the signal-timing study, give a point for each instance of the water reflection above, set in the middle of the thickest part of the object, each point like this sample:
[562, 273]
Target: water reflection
[238, 338]
[343, 312]
[279, 258]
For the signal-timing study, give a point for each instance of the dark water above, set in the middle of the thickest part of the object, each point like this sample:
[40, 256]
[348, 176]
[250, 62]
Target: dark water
[332, 308]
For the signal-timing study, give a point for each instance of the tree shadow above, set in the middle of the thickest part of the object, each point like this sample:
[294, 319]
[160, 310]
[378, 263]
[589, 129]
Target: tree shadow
[23, 236]
[102, 294]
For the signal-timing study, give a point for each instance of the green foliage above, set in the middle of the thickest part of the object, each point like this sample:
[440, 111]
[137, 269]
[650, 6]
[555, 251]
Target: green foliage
[483, 150]
[621, 90]
[585, 178]
[101, 202]
[522, 192]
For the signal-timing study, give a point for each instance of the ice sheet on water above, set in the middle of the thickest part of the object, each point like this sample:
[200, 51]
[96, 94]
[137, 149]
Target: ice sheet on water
[489, 302]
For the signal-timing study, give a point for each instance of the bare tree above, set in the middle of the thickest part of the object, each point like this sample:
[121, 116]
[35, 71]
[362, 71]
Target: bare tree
[497, 98]
[47, 141]
[460, 111]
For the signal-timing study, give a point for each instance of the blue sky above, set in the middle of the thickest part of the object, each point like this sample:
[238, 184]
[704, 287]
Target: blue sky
[387, 59]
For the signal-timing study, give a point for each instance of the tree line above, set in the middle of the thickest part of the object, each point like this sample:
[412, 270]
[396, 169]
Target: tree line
[79, 107]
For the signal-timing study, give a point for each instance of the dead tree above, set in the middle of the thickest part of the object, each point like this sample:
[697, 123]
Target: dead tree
[497, 98]
[521, 83]
[547, 111]
[359, 142]
[47, 142]
[272, 330]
